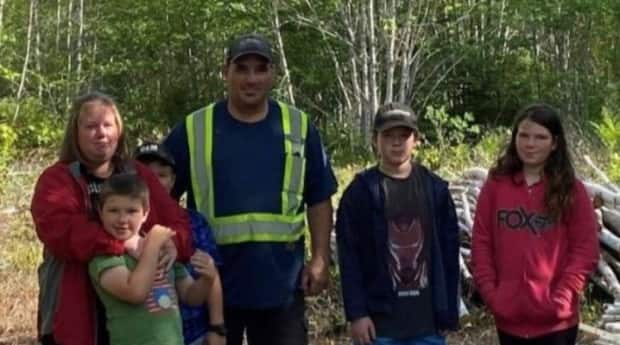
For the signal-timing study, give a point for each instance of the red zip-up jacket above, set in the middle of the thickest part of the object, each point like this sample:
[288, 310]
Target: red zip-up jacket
[71, 236]
[529, 269]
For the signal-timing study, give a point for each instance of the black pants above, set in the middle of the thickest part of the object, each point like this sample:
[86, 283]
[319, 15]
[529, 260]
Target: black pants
[564, 337]
[277, 326]
[48, 339]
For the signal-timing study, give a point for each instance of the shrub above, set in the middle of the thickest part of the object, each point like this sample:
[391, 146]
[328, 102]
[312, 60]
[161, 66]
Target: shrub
[608, 130]
[8, 137]
[35, 125]
[444, 129]
[346, 146]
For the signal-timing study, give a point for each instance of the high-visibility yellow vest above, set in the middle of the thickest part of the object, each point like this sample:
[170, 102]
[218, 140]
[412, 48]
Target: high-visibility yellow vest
[286, 226]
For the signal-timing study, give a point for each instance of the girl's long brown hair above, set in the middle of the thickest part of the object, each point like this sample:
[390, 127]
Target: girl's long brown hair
[558, 169]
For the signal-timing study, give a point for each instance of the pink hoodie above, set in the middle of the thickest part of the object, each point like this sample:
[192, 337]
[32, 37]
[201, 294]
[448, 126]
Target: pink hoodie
[528, 269]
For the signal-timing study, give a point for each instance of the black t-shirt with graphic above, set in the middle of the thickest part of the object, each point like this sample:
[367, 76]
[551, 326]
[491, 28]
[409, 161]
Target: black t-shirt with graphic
[408, 259]
[93, 188]
[94, 184]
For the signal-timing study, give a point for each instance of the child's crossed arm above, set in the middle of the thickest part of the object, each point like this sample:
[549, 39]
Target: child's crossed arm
[134, 286]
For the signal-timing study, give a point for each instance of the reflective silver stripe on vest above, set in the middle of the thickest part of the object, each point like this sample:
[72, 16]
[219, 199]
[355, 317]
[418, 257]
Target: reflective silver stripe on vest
[297, 140]
[259, 230]
[197, 121]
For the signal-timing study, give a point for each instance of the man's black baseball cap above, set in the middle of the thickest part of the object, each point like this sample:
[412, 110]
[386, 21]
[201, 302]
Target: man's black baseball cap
[249, 44]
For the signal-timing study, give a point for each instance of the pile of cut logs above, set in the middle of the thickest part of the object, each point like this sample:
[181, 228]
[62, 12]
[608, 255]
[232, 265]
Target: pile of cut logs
[606, 199]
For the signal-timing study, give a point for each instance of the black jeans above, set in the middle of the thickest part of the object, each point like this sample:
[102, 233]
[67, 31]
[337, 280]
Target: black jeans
[277, 326]
[48, 339]
[564, 337]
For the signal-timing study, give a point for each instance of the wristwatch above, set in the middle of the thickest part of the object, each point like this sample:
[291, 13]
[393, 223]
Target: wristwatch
[219, 329]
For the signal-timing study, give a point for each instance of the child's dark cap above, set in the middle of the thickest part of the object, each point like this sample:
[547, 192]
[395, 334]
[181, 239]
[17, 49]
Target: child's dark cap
[149, 152]
[394, 114]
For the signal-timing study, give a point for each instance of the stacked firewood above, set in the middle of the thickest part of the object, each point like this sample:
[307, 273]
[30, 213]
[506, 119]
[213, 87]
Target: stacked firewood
[464, 191]
[606, 198]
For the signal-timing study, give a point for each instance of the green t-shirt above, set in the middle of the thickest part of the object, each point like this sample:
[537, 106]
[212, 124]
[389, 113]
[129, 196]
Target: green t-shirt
[156, 321]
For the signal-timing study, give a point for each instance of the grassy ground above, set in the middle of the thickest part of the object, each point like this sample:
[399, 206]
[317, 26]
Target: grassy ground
[20, 253]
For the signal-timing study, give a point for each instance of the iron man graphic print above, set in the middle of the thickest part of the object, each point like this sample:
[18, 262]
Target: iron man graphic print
[407, 264]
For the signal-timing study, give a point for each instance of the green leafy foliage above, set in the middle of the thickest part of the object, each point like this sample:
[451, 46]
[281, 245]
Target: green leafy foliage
[492, 143]
[451, 160]
[449, 129]
[608, 130]
[34, 125]
[8, 137]
[447, 138]
[345, 146]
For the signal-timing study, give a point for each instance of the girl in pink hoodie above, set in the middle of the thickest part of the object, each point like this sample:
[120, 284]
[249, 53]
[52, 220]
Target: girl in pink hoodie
[535, 235]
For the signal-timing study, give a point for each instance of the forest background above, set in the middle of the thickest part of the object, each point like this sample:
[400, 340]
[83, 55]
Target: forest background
[465, 66]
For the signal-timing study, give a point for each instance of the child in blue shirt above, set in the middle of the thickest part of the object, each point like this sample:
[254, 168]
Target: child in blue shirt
[198, 322]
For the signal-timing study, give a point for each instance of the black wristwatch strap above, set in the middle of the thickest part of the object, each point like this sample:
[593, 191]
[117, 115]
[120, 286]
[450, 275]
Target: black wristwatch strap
[219, 329]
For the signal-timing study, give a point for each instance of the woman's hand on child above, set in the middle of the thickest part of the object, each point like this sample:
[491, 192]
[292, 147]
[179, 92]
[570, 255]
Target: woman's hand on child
[203, 264]
[167, 255]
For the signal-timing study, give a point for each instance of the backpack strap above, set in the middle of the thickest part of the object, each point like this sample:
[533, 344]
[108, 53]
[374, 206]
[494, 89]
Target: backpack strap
[74, 168]
[76, 173]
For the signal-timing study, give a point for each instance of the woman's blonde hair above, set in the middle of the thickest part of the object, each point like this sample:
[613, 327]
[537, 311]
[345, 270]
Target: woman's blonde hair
[70, 150]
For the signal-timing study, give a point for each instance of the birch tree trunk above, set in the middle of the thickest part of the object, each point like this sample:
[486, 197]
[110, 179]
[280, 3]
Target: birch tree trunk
[407, 51]
[58, 7]
[352, 36]
[95, 42]
[389, 52]
[22, 81]
[276, 30]
[78, 67]
[365, 82]
[1, 14]
[373, 58]
[69, 52]
[37, 54]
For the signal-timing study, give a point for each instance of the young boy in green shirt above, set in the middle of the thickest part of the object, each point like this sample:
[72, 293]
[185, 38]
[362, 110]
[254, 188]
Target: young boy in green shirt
[141, 300]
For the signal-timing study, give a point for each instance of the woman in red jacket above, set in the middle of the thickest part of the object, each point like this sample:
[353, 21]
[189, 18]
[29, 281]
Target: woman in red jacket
[63, 209]
[535, 235]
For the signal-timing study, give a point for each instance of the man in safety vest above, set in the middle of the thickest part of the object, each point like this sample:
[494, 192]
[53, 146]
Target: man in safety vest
[256, 169]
